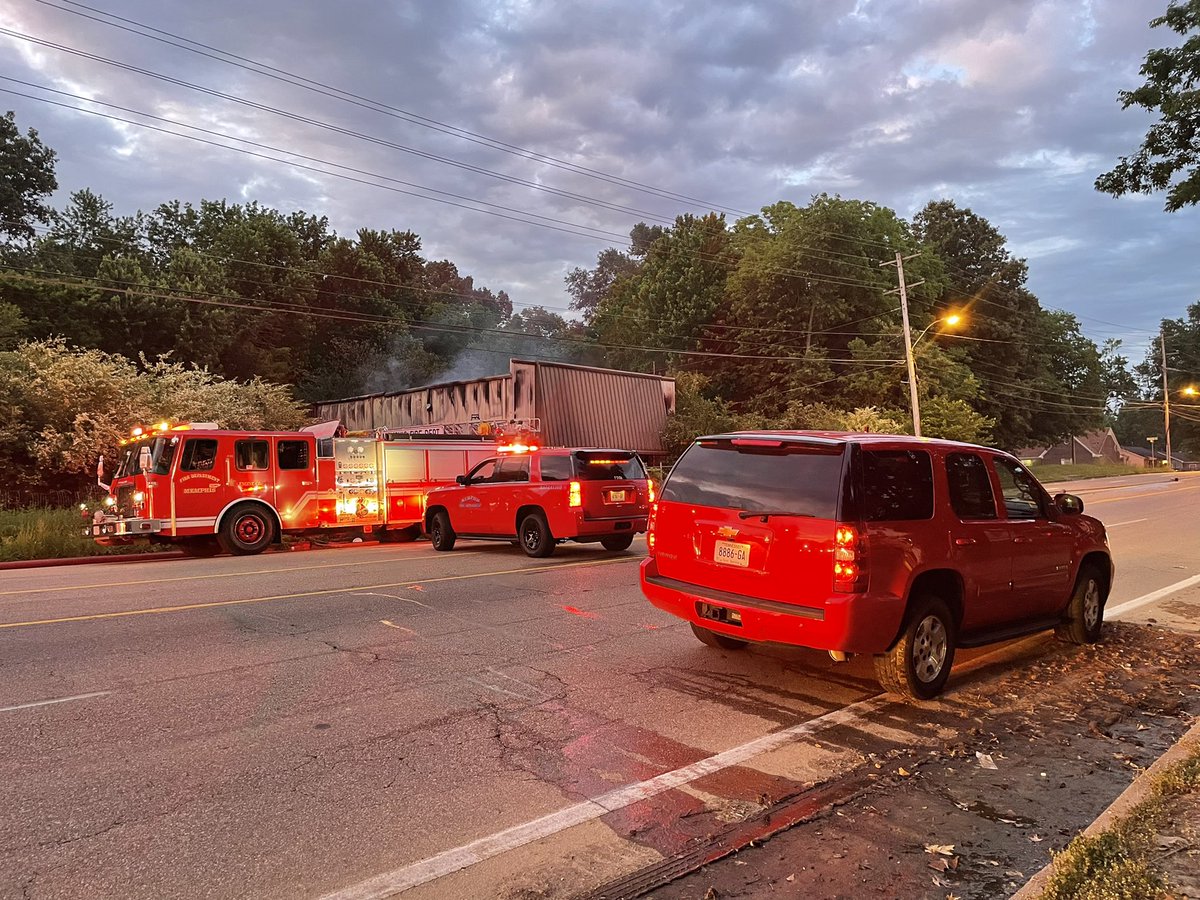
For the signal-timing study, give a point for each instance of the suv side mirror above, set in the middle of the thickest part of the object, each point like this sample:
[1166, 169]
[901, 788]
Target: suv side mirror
[463, 479]
[1068, 504]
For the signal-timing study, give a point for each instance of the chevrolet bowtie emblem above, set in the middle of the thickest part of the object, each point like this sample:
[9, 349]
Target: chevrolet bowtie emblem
[727, 532]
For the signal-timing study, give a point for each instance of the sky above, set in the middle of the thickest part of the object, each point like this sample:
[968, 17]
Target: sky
[576, 119]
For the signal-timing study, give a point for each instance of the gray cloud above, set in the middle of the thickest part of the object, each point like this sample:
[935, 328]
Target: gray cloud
[1007, 107]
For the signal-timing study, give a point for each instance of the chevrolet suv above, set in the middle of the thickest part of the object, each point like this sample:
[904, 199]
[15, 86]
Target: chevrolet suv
[541, 498]
[895, 546]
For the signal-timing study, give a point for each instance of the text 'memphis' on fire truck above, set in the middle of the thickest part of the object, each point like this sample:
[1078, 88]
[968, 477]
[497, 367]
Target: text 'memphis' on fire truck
[205, 488]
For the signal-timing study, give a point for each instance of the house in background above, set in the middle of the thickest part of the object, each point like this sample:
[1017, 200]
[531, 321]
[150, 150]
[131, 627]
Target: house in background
[1150, 459]
[1096, 448]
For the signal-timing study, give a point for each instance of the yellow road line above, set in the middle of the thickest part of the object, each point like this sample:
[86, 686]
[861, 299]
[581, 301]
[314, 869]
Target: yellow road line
[279, 571]
[1150, 495]
[342, 590]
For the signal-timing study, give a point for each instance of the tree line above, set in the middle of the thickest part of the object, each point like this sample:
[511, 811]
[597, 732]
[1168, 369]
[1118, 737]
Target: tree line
[787, 318]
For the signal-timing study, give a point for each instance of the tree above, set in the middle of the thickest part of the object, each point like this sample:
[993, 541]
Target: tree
[1169, 158]
[77, 404]
[12, 325]
[28, 167]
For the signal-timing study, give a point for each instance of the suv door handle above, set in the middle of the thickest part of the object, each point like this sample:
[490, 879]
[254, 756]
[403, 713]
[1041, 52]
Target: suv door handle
[1022, 540]
[964, 542]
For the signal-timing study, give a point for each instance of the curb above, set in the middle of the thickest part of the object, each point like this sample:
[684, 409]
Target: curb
[1130, 797]
[103, 559]
[109, 558]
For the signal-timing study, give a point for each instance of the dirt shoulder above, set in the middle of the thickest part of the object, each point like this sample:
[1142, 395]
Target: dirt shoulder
[1066, 732]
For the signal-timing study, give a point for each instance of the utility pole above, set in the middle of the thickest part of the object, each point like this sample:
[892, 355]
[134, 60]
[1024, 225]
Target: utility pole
[908, 347]
[1162, 342]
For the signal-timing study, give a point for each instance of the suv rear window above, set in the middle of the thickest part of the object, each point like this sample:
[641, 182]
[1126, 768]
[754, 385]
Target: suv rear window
[608, 466]
[785, 477]
[897, 485]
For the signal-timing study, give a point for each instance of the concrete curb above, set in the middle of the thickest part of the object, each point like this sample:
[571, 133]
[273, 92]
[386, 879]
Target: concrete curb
[1121, 807]
[105, 559]
[90, 560]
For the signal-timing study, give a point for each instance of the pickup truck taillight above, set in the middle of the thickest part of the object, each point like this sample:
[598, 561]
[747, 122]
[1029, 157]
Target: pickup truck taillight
[650, 520]
[849, 560]
[651, 493]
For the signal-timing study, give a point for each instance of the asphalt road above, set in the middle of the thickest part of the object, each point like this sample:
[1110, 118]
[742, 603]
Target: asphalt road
[361, 721]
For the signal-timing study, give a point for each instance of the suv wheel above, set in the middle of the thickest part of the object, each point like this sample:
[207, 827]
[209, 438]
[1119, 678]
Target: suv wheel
[718, 640]
[1085, 612]
[535, 536]
[617, 542]
[919, 664]
[441, 535]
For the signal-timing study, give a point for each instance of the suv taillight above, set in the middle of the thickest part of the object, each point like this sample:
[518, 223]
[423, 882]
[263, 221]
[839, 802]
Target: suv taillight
[650, 540]
[849, 560]
[651, 493]
[575, 494]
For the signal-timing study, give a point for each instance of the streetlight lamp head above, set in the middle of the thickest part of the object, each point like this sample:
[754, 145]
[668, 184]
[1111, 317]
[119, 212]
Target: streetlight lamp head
[952, 319]
[1190, 391]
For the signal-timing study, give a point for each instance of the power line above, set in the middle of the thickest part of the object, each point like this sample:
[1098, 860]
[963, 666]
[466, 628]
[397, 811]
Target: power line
[416, 324]
[327, 90]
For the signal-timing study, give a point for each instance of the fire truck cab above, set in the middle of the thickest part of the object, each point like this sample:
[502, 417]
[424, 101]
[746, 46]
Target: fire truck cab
[205, 489]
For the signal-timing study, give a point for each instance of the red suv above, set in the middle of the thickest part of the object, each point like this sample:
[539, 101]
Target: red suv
[859, 543]
[541, 498]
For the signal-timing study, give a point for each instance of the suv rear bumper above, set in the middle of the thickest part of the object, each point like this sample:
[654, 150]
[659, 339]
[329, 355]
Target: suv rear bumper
[586, 526]
[851, 623]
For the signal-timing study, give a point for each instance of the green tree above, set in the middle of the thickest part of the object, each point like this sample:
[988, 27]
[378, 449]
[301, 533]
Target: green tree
[1169, 158]
[28, 167]
[12, 325]
[669, 300]
[76, 404]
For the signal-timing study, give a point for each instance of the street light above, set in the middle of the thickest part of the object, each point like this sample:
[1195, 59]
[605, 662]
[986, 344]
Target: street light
[951, 320]
[1190, 391]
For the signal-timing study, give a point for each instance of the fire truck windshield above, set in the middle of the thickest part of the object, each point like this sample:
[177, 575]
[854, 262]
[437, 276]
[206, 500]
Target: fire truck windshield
[162, 451]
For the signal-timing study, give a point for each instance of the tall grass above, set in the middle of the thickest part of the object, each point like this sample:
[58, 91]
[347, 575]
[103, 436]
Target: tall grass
[45, 533]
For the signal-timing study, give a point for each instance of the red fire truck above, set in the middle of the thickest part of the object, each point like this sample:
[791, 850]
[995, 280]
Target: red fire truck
[204, 489]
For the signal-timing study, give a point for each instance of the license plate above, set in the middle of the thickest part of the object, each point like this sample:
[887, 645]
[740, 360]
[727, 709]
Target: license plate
[616, 496]
[728, 553]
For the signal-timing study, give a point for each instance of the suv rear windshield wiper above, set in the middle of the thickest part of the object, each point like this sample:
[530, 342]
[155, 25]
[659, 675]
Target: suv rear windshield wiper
[767, 513]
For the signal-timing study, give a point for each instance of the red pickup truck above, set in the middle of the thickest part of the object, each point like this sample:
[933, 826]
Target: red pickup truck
[541, 498]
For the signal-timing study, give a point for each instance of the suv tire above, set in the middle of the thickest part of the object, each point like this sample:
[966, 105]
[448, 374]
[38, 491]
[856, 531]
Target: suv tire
[919, 664]
[1084, 618]
[247, 529]
[441, 535]
[617, 542]
[535, 537]
[719, 641]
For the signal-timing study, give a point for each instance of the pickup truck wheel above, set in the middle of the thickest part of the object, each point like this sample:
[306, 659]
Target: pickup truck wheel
[441, 535]
[617, 542]
[1085, 613]
[534, 534]
[919, 664]
[200, 547]
[247, 529]
[719, 641]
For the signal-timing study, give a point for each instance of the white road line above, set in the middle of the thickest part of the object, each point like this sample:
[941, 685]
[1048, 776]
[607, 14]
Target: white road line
[1146, 599]
[1130, 522]
[459, 858]
[55, 700]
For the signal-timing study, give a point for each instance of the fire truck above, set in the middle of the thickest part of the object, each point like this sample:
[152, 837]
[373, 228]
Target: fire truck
[205, 489]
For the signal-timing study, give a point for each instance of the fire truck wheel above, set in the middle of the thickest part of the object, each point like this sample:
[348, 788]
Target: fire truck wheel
[617, 542]
[441, 535]
[200, 547]
[536, 539]
[247, 529]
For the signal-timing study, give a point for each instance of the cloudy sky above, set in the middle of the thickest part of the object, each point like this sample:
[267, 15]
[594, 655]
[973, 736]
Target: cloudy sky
[635, 111]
